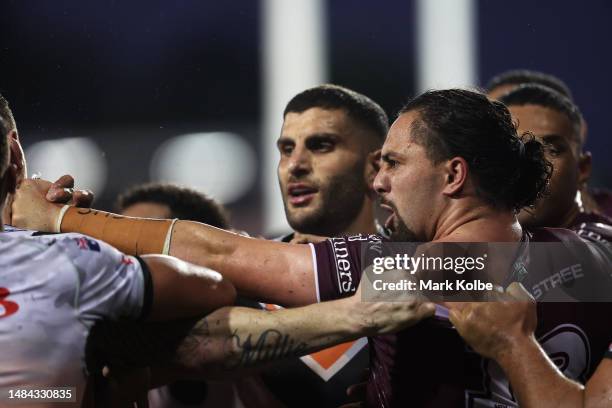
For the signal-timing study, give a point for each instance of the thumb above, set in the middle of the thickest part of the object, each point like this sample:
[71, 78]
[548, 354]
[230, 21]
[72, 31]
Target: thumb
[426, 309]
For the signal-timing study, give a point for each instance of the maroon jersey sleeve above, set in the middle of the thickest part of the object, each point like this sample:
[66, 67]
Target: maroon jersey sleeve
[339, 264]
[593, 227]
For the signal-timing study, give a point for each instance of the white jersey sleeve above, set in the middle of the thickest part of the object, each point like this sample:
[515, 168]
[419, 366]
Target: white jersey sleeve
[53, 289]
[109, 284]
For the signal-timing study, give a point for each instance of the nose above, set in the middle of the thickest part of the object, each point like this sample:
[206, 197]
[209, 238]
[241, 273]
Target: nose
[299, 162]
[381, 182]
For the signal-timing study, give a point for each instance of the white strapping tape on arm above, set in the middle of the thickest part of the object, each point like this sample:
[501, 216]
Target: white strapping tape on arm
[60, 217]
[166, 250]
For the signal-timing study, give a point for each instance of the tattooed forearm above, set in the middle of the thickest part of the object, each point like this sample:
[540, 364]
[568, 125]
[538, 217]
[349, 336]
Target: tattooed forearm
[198, 336]
[229, 341]
[268, 346]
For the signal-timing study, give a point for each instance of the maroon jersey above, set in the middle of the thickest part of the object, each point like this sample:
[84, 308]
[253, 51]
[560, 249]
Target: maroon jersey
[429, 364]
[593, 227]
[603, 198]
[318, 379]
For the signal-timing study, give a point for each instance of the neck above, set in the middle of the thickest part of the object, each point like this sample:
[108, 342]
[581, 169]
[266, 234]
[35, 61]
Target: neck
[364, 223]
[568, 218]
[477, 223]
[570, 215]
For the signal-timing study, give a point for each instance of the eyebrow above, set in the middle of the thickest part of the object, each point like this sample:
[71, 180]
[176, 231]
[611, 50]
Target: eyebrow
[283, 140]
[314, 136]
[389, 156]
[328, 136]
[554, 138]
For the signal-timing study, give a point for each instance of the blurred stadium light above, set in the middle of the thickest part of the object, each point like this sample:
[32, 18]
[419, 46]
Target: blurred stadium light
[220, 164]
[79, 156]
[132, 75]
[446, 44]
[294, 58]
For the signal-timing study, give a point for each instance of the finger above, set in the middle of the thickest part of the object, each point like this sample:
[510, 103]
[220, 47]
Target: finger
[58, 194]
[518, 291]
[61, 189]
[83, 198]
[426, 309]
[66, 181]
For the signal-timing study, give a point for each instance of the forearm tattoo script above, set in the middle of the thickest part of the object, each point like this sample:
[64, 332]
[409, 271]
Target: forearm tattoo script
[268, 346]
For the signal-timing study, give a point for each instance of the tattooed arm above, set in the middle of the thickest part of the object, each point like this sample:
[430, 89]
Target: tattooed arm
[232, 340]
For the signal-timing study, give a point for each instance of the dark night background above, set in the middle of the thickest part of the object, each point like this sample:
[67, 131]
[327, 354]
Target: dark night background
[130, 75]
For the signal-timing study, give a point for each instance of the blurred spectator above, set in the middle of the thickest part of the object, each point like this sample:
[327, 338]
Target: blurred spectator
[599, 200]
[156, 200]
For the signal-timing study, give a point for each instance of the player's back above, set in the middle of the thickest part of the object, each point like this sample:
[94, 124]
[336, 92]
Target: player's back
[53, 288]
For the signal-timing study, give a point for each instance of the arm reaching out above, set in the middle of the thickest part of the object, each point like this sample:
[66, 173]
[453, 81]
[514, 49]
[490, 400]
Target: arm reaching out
[504, 331]
[269, 271]
[234, 339]
[182, 290]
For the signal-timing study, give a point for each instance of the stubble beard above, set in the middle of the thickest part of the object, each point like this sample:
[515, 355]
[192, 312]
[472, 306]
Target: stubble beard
[339, 204]
[401, 232]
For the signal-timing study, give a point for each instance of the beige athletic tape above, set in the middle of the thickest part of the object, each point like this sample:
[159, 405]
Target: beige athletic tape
[132, 236]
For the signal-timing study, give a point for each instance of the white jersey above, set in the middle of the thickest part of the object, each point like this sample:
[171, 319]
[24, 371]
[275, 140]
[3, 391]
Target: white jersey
[53, 288]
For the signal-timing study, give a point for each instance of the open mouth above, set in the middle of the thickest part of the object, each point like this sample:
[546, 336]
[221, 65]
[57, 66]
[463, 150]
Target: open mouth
[301, 194]
[390, 221]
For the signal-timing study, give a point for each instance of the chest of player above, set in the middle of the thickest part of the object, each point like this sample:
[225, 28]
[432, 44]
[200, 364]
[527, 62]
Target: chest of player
[429, 365]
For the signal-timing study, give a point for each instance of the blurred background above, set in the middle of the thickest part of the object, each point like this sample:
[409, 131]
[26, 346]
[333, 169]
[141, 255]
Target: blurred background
[119, 93]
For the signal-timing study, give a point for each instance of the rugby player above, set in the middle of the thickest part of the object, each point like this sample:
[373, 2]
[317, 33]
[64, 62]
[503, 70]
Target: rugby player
[592, 200]
[454, 170]
[328, 146]
[556, 122]
[54, 288]
[504, 331]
